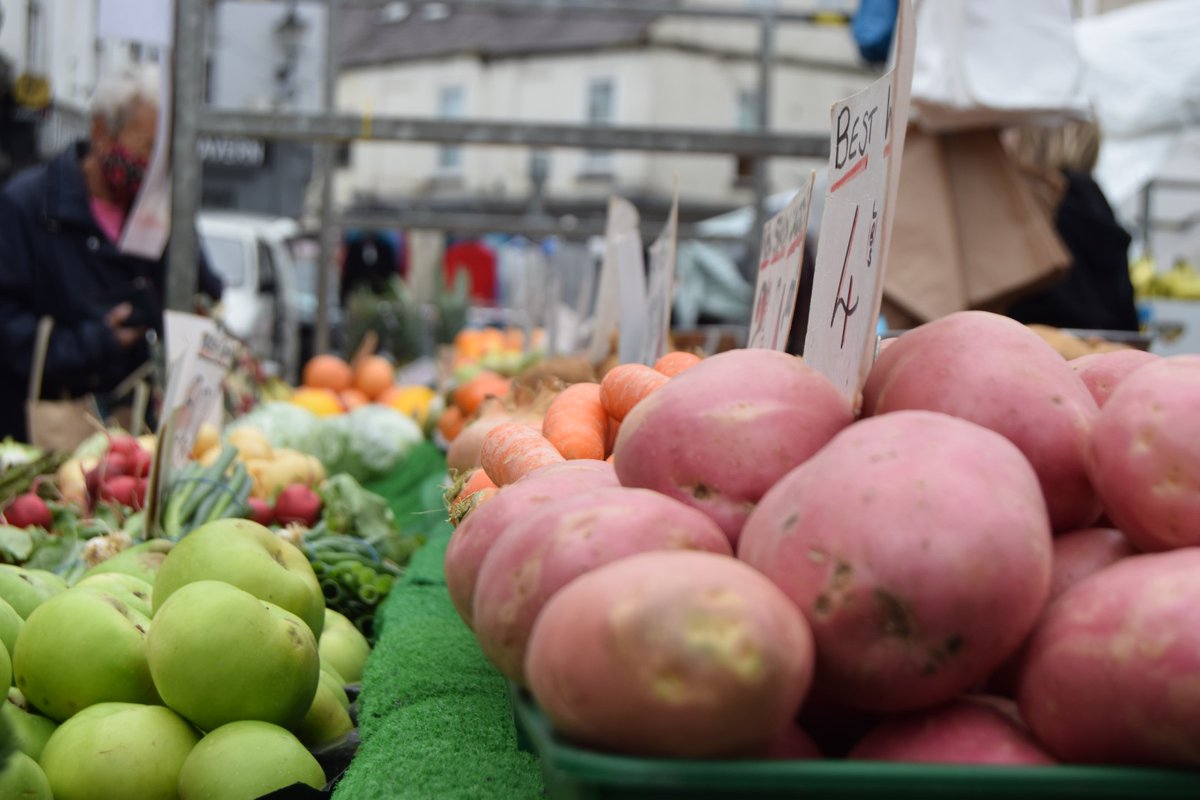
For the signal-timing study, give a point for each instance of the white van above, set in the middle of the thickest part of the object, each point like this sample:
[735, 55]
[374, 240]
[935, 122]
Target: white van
[251, 254]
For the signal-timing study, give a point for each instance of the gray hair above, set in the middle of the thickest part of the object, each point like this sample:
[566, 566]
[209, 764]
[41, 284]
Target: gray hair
[117, 92]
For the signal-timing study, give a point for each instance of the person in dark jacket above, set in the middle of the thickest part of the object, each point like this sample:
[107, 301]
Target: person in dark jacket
[59, 227]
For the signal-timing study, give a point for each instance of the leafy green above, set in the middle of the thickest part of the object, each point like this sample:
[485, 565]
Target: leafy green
[15, 544]
[351, 509]
[14, 453]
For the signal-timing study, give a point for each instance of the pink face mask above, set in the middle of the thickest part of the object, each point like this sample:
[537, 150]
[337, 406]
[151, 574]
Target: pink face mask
[123, 172]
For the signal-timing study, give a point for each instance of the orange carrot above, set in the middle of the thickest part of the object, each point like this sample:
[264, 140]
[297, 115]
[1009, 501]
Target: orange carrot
[576, 423]
[470, 396]
[511, 451]
[674, 363]
[614, 428]
[609, 459]
[627, 385]
[477, 481]
[459, 509]
[451, 423]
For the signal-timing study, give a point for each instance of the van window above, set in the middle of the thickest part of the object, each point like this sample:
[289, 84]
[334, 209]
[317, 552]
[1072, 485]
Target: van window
[266, 268]
[227, 257]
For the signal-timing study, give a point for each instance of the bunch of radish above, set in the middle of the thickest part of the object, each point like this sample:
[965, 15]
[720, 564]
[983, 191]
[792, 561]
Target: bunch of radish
[295, 504]
[122, 475]
[995, 560]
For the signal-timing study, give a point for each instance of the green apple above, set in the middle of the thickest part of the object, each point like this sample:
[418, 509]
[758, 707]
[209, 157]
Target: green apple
[22, 779]
[141, 561]
[25, 589]
[335, 685]
[343, 646]
[247, 759]
[125, 750]
[31, 731]
[82, 647]
[219, 654]
[134, 591]
[327, 719]
[252, 558]
[329, 669]
[10, 626]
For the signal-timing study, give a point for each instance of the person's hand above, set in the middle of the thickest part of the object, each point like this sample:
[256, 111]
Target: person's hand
[115, 320]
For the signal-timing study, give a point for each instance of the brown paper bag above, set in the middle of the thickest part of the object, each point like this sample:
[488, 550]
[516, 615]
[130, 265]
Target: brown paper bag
[56, 425]
[972, 230]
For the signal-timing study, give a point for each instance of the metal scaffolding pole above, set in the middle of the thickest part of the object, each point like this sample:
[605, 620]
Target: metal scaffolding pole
[351, 127]
[761, 174]
[623, 7]
[188, 101]
[324, 171]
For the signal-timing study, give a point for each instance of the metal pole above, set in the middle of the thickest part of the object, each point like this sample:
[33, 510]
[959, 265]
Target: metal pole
[323, 166]
[1147, 223]
[761, 188]
[188, 98]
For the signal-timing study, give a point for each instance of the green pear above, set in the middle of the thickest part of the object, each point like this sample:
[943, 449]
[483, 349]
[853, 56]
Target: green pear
[252, 558]
[327, 719]
[329, 669]
[31, 731]
[118, 750]
[6, 669]
[247, 759]
[133, 590]
[219, 654]
[343, 646]
[335, 684]
[25, 589]
[141, 561]
[10, 626]
[82, 647]
[22, 779]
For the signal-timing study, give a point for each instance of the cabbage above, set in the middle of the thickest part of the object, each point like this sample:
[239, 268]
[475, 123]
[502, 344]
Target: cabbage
[285, 425]
[377, 439]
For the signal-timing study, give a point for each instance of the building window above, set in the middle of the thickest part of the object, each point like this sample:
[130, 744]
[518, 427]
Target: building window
[601, 110]
[452, 104]
[746, 119]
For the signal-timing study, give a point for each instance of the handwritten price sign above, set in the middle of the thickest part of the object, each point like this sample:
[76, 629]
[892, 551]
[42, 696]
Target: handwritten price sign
[865, 149]
[781, 258]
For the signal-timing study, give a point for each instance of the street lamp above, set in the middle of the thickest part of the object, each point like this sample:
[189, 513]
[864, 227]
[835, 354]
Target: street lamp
[289, 36]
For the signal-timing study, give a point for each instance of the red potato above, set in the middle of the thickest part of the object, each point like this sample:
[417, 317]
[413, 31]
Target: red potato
[966, 731]
[997, 373]
[918, 547]
[671, 653]
[479, 531]
[1082, 553]
[719, 435]
[1101, 373]
[794, 745]
[560, 541]
[1146, 455]
[1111, 672]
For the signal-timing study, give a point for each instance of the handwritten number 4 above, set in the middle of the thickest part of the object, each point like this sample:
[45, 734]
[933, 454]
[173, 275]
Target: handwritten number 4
[844, 303]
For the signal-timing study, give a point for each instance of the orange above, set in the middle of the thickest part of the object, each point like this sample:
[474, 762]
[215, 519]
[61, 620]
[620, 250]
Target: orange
[374, 375]
[322, 402]
[327, 372]
[352, 398]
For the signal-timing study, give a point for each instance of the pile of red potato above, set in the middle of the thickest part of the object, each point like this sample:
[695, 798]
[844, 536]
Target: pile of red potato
[996, 560]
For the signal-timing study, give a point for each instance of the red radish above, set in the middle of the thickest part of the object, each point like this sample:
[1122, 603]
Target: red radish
[121, 489]
[28, 510]
[261, 511]
[139, 464]
[114, 463]
[124, 445]
[297, 503]
[92, 479]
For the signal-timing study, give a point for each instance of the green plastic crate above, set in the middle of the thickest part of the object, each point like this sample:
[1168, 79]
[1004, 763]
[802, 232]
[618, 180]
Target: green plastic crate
[572, 773]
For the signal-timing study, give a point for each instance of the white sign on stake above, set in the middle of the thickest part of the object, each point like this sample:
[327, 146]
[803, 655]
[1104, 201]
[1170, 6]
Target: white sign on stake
[623, 219]
[865, 150]
[631, 289]
[661, 285]
[781, 258]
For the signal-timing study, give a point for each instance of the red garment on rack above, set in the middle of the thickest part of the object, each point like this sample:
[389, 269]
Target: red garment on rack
[480, 263]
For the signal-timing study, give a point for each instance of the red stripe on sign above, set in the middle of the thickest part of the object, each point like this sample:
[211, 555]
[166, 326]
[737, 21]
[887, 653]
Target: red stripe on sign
[861, 166]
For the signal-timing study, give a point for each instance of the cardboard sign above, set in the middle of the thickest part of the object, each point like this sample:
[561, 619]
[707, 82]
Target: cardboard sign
[195, 382]
[183, 332]
[622, 220]
[865, 150]
[781, 258]
[660, 286]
